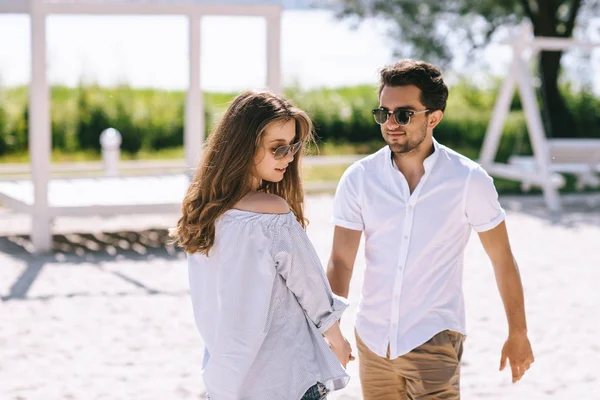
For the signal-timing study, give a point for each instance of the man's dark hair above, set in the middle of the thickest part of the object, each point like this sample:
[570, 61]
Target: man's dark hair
[423, 75]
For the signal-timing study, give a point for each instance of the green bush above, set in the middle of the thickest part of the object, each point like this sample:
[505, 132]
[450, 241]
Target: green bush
[585, 108]
[3, 132]
[153, 119]
[20, 131]
[92, 119]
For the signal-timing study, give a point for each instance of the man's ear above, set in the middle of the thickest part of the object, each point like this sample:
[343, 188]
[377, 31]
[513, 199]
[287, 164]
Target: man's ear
[435, 118]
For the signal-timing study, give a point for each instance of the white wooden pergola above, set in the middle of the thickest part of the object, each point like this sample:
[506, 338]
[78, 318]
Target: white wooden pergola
[44, 198]
[551, 157]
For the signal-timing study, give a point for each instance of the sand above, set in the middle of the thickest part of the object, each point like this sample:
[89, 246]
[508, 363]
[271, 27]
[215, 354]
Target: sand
[108, 316]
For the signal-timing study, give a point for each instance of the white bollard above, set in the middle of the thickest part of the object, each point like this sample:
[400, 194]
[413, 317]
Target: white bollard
[110, 140]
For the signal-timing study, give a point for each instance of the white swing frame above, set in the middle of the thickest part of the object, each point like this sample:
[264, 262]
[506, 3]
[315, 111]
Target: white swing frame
[551, 157]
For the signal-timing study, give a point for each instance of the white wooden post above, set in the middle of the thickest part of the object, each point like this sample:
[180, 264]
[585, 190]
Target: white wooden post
[499, 115]
[537, 134]
[110, 143]
[501, 110]
[194, 103]
[39, 132]
[274, 52]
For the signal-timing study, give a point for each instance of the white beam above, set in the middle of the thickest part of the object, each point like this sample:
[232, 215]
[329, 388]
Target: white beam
[499, 115]
[14, 7]
[153, 8]
[194, 103]
[274, 52]
[553, 43]
[39, 132]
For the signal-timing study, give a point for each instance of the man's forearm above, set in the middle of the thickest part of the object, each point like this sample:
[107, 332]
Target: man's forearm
[511, 292]
[339, 278]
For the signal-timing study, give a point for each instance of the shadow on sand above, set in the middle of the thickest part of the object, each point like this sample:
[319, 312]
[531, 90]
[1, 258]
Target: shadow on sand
[94, 249]
[577, 210]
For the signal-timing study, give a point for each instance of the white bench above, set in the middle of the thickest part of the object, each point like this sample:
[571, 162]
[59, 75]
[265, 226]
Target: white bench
[579, 157]
[100, 196]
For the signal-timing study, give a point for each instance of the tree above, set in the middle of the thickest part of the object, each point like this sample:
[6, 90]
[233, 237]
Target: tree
[425, 25]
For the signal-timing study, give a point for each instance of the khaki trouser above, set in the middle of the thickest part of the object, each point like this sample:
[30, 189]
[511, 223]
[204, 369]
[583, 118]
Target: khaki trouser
[430, 371]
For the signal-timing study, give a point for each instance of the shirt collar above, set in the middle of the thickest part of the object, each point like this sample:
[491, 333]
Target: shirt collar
[428, 163]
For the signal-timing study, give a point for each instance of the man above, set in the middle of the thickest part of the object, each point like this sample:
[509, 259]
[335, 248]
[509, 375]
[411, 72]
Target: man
[417, 201]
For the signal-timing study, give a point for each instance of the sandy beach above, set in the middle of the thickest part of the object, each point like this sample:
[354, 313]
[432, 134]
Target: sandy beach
[108, 315]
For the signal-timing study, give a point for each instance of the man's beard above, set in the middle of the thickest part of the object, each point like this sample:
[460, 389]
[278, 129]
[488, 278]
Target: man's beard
[410, 145]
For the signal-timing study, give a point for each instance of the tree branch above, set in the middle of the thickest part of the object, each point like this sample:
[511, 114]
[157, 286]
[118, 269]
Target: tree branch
[547, 23]
[528, 11]
[570, 24]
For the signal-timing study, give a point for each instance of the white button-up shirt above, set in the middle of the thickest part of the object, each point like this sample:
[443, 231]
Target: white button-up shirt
[414, 243]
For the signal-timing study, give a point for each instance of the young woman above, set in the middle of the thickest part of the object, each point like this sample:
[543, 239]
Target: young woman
[261, 300]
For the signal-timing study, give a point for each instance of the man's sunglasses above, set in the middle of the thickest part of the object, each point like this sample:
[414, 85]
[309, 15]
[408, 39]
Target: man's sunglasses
[401, 115]
[283, 151]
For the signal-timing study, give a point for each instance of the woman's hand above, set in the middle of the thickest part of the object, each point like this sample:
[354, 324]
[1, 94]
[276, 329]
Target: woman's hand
[339, 344]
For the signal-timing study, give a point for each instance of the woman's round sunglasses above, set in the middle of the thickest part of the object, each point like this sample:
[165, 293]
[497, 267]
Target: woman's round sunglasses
[401, 115]
[283, 151]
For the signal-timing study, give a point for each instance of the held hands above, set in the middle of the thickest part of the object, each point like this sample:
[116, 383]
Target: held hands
[517, 350]
[342, 350]
[339, 344]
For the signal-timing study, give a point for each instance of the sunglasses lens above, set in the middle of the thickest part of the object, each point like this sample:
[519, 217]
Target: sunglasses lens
[281, 152]
[402, 117]
[380, 116]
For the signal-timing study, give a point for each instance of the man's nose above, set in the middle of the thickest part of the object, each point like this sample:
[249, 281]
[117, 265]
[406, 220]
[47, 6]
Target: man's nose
[391, 122]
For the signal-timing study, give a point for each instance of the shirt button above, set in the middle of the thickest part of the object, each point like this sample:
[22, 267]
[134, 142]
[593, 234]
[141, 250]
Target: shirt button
[405, 237]
[400, 266]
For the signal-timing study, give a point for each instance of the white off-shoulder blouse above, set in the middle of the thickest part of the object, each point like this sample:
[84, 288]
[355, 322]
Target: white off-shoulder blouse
[261, 302]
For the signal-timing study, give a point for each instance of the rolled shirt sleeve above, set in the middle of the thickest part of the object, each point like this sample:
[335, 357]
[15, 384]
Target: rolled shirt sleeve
[347, 211]
[482, 207]
[298, 263]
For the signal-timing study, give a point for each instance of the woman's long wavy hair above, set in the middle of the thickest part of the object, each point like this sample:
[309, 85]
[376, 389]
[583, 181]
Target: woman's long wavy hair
[224, 174]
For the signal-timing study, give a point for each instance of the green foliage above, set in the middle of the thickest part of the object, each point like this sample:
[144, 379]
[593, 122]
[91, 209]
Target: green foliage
[586, 111]
[92, 120]
[340, 115]
[430, 29]
[3, 129]
[416, 29]
[153, 120]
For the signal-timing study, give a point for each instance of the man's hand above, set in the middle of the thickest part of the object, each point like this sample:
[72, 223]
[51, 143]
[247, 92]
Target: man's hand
[350, 356]
[342, 350]
[517, 350]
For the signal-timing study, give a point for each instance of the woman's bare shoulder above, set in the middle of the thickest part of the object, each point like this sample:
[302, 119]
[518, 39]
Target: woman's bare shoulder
[264, 203]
